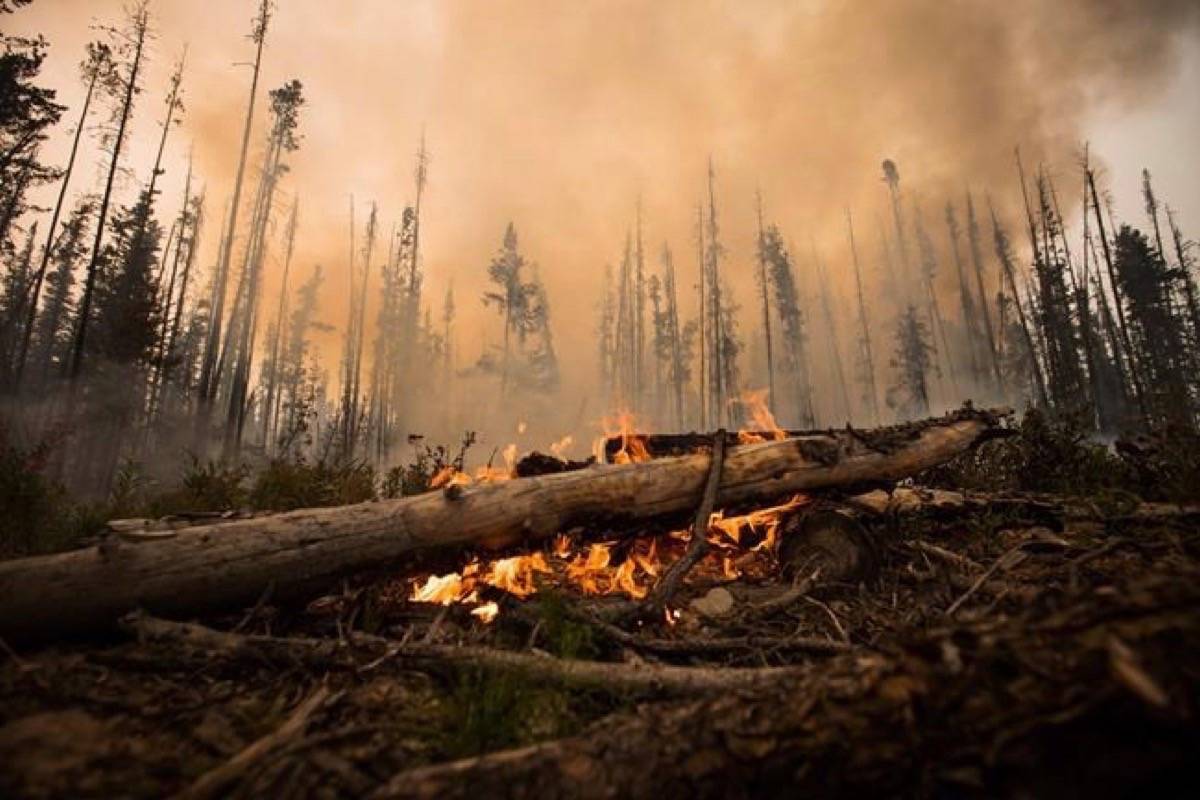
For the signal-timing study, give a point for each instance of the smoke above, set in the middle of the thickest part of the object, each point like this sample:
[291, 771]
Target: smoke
[560, 117]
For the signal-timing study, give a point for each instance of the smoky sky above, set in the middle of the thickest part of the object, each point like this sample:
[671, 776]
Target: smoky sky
[562, 117]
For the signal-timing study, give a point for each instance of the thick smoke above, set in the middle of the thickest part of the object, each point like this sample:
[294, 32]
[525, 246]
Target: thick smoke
[559, 117]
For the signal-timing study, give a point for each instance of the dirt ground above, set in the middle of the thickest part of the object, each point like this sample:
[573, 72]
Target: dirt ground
[1024, 648]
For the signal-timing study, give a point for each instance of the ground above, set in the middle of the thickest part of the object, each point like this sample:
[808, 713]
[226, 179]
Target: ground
[1017, 646]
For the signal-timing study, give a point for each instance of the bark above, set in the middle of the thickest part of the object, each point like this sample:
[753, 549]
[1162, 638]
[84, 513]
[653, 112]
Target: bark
[210, 569]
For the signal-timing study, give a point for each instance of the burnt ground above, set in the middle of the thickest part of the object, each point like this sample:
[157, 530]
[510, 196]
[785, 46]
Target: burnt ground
[983, 651]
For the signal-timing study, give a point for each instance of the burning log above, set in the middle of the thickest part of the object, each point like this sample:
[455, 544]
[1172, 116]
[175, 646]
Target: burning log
[215, 568]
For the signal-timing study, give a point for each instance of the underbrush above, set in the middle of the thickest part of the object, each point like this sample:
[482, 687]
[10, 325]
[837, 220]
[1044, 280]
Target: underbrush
[36, 512]
[1058, 455]
[39, 515]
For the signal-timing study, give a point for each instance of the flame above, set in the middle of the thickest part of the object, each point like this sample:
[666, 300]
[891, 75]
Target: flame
[764, 520]
[755, 403]
[449, 476]
[633, 445]
[443, 589]
[516, 575]
[593, 569]
[486, 612]
[559, 448]
[521, 427]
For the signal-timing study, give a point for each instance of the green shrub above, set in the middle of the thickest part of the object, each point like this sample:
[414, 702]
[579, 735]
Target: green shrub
[36, 513]
[286, 484]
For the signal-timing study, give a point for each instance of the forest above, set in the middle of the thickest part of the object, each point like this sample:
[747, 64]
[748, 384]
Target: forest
[900, 500]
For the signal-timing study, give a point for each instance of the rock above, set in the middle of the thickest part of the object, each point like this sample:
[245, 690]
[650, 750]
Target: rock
[717, 602]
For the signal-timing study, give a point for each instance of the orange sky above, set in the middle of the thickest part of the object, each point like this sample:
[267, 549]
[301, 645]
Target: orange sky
[558, 116]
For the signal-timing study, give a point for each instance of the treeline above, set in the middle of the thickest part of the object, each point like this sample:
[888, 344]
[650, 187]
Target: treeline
[116, 339]
[1101, 327]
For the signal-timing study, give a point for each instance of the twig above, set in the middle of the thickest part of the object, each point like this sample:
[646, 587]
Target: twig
[253, 612]
[215, 782]
[643, 679]
[1011, 557]
[945, 555]
[837, 624]
[665, 589]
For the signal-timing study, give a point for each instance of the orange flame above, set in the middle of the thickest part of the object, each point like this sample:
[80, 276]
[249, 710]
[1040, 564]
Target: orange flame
[559, 449]
[633, 445]
[755, 403]
[591, 568]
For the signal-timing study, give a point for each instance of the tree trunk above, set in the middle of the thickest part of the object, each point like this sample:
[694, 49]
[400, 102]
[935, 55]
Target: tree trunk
[226, 567]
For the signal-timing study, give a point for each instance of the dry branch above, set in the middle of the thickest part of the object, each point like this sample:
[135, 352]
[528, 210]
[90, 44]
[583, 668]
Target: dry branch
[208, 569]
[869, 725]
[640, 679]
[665, 589]
[214, 782]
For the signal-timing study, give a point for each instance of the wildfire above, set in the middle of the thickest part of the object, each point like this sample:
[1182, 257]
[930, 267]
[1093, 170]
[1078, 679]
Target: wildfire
[764, 521]
[594, 569]
[755, 403]
[451, 476]
[633, 446]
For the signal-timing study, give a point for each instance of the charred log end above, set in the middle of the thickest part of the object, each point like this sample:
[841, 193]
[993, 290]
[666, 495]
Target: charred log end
[541, 464]
[831, 541]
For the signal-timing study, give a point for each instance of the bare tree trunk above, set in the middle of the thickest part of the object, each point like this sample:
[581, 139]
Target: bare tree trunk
[208, 370]
[141, 23]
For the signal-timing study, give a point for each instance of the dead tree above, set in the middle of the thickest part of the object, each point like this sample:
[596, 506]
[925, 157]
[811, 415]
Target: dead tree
[867, 356]
[209, 374]
[135, 38]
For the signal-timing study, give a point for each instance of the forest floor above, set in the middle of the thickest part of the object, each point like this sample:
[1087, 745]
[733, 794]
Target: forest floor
[1024, 648]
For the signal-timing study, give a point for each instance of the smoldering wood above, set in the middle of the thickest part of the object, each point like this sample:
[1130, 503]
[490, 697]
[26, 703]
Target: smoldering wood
[216, 568]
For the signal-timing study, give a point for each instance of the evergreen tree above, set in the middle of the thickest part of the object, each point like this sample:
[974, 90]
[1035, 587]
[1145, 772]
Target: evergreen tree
[1157, 333]
[782, 277]
[52, 328]
[913, 363]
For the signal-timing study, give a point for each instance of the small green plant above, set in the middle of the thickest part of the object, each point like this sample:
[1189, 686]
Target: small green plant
[490, 711]
[36, 513]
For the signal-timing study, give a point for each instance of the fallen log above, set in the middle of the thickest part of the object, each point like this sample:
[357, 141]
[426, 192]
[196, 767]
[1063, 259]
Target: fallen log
[215, 568]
